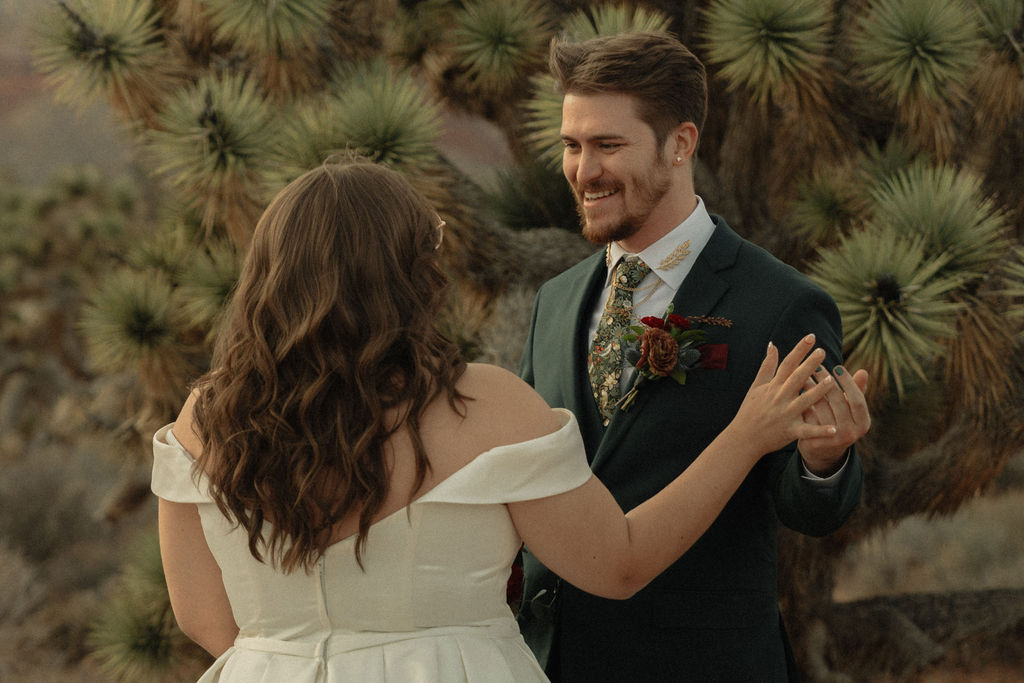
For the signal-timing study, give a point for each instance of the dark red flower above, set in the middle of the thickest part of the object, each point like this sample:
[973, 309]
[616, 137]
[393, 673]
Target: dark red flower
[659, 351]
[653, 321]
[714, 356]
[678, 321]
[514, 587]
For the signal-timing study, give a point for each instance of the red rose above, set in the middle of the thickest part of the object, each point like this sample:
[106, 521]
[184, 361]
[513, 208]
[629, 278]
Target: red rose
[653, 321]
[679, 322]
[714, 356]
[659, 351]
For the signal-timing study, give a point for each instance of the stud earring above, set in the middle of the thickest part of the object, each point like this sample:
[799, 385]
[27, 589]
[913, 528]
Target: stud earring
[678, 159]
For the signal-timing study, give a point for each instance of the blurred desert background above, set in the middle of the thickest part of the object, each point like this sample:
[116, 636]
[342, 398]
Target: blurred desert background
[62, 542]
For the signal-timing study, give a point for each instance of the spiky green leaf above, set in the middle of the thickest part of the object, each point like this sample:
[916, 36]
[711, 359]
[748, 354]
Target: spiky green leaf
[216, 142]
[102, 46]
[415, 30]
[133, 638]
[876, 165]
[208, 282]
[949, 210]
[167, 249]
[130, 320]
[270, 27]
[1001, 22]
[544, 121]
[609, 19]
[500, 43]
[388, 117]
[372, 110]
[911, 49]
[830, 204]
[215, 134]
[772, 49]
[893, 302]
[999, 80]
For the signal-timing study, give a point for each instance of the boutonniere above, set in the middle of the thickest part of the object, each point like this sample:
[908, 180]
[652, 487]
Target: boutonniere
[671, 346]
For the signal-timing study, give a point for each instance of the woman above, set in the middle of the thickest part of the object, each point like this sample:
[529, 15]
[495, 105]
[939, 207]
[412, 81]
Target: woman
[341, 496]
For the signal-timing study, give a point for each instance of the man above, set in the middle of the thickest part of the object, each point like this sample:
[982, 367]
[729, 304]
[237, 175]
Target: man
[632, 112]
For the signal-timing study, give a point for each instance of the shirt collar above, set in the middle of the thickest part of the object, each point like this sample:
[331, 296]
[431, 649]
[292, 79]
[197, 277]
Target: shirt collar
[672, 256]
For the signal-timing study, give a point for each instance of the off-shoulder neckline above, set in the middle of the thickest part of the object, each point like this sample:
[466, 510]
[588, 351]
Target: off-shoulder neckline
[483, 456]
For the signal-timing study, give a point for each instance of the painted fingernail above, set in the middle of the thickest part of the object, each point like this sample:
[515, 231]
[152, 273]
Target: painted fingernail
[770, 345]
[838, 370]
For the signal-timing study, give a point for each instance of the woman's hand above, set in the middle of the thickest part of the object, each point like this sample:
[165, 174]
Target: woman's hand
[772, 412]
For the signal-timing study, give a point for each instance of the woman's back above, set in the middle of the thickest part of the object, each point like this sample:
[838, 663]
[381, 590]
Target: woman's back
[429, 602]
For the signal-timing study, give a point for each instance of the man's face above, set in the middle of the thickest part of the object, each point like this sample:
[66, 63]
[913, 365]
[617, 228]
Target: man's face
[612, 162]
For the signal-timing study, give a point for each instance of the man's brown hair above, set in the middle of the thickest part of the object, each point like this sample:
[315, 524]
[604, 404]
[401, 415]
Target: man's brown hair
[668, 82]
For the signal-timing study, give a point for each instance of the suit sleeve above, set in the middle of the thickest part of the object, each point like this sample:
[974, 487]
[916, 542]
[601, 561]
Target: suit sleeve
[526, 360]
[799, 504]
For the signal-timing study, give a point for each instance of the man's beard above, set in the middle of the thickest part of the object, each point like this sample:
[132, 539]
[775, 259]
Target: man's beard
[649, 195]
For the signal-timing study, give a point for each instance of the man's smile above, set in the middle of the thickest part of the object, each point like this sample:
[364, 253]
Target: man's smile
[591, 197]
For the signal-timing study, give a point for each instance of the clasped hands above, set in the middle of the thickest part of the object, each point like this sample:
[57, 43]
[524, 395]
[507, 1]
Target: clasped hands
[844, 407]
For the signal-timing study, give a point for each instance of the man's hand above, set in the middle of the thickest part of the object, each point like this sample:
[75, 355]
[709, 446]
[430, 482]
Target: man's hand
[847, 410]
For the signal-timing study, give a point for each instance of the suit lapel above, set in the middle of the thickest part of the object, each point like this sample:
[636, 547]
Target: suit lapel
[582, 295]
[703, 287]
[706, 283]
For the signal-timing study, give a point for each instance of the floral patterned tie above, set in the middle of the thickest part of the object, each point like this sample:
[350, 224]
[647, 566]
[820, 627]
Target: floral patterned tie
[604, 364]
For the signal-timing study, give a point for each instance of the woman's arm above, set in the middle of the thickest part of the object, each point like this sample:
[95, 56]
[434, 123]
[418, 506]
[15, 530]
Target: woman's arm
[194, 582]
[197, 593]
[582, 534]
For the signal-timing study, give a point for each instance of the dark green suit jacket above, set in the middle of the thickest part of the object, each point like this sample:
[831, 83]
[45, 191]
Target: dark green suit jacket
[713, 615]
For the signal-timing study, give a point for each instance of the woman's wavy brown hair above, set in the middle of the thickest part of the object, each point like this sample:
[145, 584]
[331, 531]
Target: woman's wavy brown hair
[329, 334]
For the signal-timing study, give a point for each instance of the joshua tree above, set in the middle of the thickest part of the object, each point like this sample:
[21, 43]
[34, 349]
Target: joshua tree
[875, 144]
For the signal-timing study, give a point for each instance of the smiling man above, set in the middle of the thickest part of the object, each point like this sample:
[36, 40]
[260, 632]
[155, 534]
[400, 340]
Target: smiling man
[633, 107]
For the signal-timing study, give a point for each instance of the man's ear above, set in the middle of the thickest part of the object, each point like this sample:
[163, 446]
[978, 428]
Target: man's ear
[683, 140]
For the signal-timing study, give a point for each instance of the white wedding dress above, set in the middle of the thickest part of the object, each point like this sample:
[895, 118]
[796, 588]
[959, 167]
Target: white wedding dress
[429, 607]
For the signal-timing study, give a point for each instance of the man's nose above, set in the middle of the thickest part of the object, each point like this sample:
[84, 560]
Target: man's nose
[589, 168]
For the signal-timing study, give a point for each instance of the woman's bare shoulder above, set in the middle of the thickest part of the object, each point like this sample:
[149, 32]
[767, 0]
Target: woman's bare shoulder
[184, 427]
[506, 405]
[489, 383]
